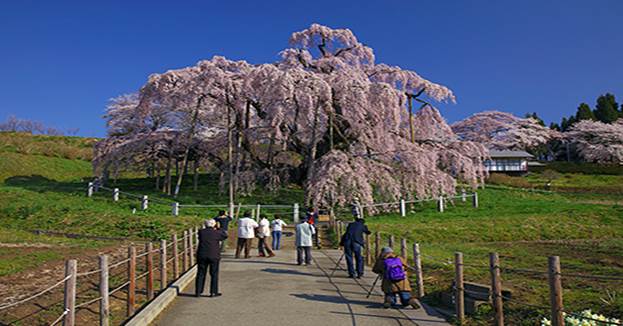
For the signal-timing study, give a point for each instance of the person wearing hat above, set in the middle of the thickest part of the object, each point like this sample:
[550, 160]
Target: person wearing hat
[353, 242]
[304, 242]
[209, 255]
[393, 270]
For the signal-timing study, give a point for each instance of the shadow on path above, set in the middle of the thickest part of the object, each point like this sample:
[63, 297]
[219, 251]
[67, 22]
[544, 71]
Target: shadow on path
[335, 299]
[286, 271]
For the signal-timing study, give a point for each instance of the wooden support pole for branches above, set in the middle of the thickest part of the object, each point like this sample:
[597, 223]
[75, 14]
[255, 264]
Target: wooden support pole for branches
[149, 266]
[555, 291]
[131, 280]
[496, 288]
[105, 301]
[459, 294]
[417, 262]
[69, 302]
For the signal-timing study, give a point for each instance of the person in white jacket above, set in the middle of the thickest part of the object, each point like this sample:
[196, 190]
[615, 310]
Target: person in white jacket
[304, 235]
[246, 233]
[263, 232]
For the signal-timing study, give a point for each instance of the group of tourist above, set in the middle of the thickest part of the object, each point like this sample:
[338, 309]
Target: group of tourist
[212, 241]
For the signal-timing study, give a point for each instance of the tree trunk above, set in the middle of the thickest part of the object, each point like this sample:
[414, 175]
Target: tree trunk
[230, 155]
[189, 139]
[167, 179]
[195, 174]
[177, 167]
[157, 175]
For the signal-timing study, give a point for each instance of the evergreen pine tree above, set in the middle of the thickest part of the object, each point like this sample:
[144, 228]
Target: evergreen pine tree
[584, 113]
[606, 109]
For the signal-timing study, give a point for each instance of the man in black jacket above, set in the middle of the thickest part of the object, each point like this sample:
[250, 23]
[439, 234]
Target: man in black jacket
[209, 255]
[353, 241]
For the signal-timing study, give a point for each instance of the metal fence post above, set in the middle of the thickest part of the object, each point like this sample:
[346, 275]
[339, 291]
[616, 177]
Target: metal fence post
[90, 189]
[463, 195]
[69, 302]
[115, 194]
[475, 200]
[295, 215]
[175, 209]
[105, 301]
[555, 290]
[145, 202]
[403, 208]
[440, 204]
[257, 217]
[459, 295]
[496, 288]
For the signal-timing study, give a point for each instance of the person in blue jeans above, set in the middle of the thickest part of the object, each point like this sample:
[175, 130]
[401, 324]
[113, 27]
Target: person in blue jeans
[277, 227]
[352, 241]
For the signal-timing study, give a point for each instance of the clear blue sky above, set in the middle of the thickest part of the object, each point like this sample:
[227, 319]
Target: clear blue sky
[62, 60]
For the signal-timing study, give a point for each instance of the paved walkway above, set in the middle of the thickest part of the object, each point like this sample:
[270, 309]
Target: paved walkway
[275, 291]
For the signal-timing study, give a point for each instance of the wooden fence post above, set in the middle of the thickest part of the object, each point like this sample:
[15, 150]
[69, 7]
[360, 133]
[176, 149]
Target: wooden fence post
[105, 301]
[459, 295]
[191, 257]
[377, 244]
[368, 254]
[176, 258]
[496, 288]
[69, 302]
[390, 241]
[403, 249]
[175, 209]
[149, 265]
[555, 290]
[131, 280]
[185, 252]
[163, 264]
[417, 261]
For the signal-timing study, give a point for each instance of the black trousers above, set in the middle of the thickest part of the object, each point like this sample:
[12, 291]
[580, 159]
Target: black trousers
[299, 255]
[202, 268]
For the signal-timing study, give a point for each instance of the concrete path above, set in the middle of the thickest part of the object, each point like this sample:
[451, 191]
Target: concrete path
[275, 291]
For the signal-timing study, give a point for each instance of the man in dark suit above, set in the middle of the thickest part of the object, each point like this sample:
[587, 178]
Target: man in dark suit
[209, 255]
[353, 241]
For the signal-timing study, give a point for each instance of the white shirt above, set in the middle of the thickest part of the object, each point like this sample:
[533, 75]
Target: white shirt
[278, 224]
[246, 228]
[264, 230]
[304, 232]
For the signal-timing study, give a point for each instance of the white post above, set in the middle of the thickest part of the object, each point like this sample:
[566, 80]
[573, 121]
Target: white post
[463, 195]
[440, 204]
[145, 202]
[231, 212]
[175, 209]
[403, 208]
[257, 217]
[253, 214]
[115, 194]
[475, 200]
[90, 189]
[295, 215]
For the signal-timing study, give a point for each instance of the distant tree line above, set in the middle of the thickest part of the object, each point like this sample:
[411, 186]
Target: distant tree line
[606, 110]
[14, 124]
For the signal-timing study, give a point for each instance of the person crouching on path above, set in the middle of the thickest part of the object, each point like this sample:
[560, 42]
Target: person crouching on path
[209, 255]
[222, 221]
[395, 281]
[304, 234]
[263, 232]
[246, 233]
[353, 242]
[277, 225]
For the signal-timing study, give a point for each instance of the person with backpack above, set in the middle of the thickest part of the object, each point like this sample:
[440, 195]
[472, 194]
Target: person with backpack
[277, 227]
[392, 269]
[304, 242]
[352, 241]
